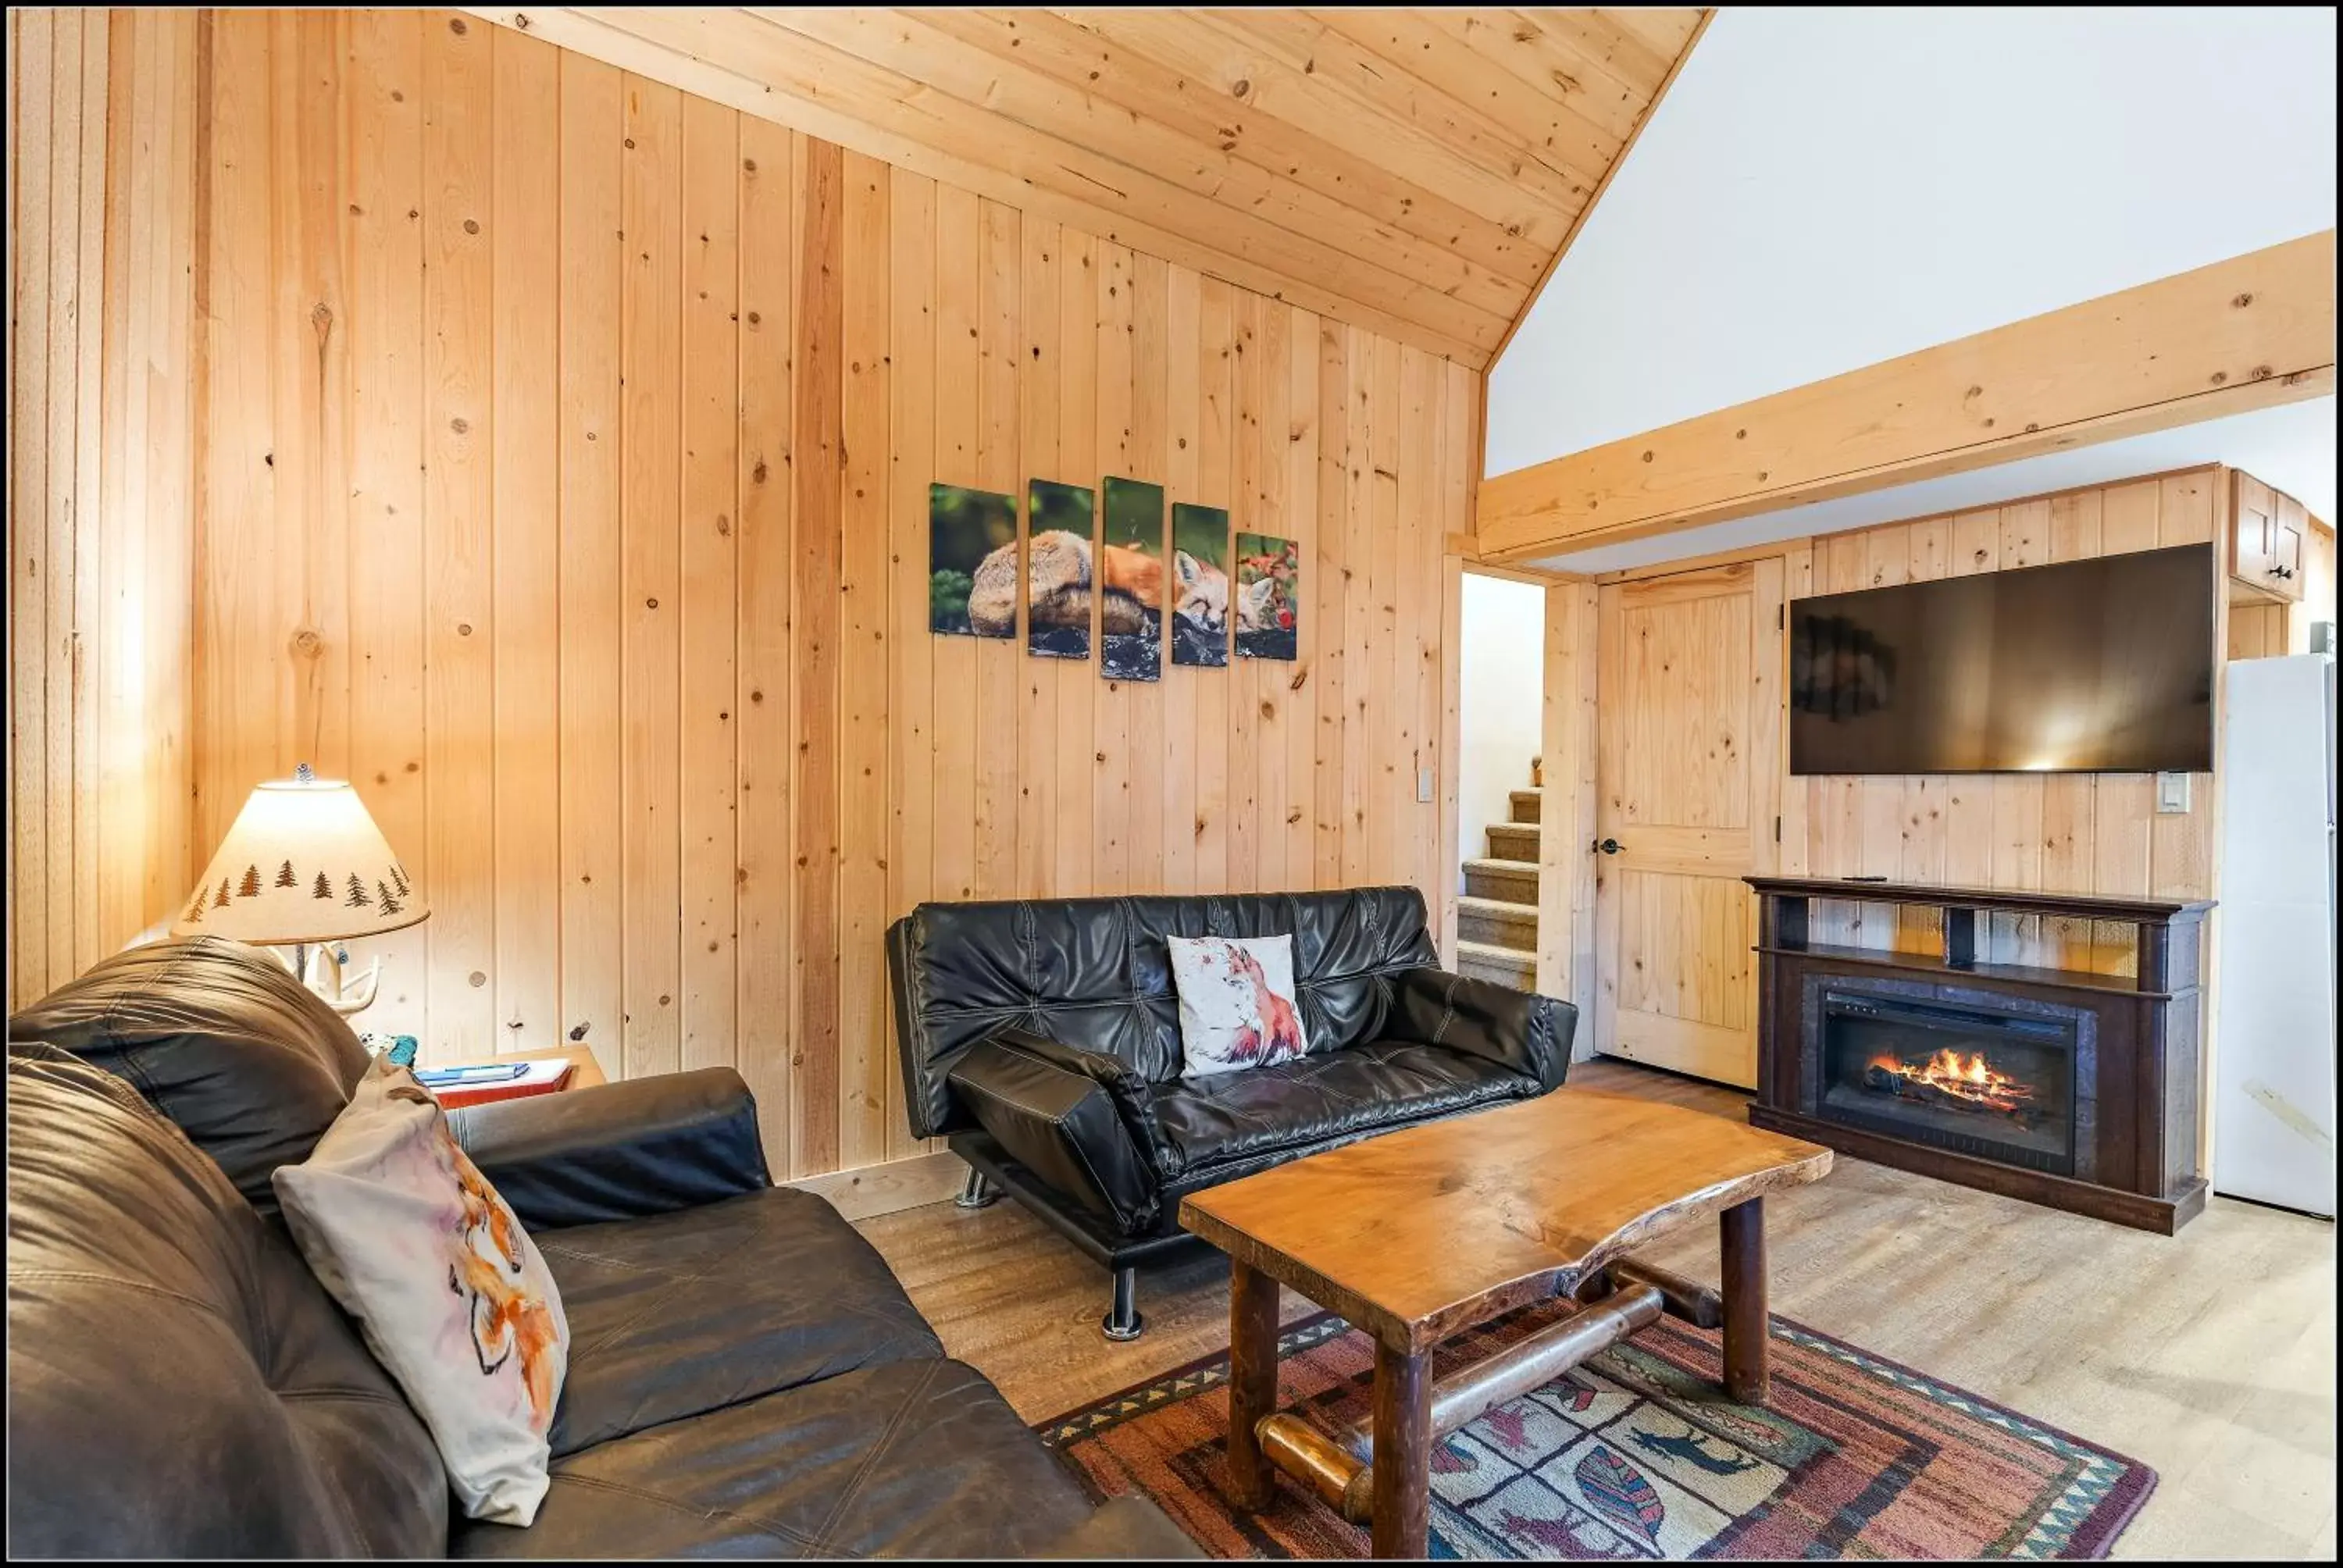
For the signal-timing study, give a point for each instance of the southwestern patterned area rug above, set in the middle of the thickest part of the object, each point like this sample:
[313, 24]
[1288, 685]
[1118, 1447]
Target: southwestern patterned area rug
[1638, 1454]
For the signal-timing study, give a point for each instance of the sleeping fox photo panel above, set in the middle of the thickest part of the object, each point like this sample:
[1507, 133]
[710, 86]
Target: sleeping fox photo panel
[1060, 525]
[1131, 581]
[1269, 597]
[971, 562]
[1200, 586]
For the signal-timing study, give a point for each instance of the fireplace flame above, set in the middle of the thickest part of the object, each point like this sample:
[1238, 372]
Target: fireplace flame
[1964, 1076]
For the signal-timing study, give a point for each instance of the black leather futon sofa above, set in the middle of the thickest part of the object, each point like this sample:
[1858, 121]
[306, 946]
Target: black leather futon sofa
[745, 1377]
[1042, 1038]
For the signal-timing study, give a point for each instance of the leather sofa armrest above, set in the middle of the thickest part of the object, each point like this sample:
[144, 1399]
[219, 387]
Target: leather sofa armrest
[1124, 1528]
[1134, 1095]
[619, 1151]
[1515, 1028]
[1061, 1123]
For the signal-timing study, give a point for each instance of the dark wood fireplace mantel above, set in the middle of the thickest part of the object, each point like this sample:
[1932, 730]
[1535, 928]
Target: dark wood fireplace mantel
[2126, 1048]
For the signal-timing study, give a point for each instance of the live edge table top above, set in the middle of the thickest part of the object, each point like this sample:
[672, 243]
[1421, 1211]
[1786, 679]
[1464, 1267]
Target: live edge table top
[1420, 1233]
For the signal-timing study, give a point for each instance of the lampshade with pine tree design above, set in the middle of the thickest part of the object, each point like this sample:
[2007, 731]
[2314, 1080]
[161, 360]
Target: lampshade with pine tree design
[304, 863]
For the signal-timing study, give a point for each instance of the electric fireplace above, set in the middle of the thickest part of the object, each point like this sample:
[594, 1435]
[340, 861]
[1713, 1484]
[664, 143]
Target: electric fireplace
[1970, 1078]
[2066, 1087]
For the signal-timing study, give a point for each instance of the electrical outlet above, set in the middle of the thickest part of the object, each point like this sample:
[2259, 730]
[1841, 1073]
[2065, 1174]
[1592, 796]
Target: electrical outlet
[2172, 794]
[1423, 786]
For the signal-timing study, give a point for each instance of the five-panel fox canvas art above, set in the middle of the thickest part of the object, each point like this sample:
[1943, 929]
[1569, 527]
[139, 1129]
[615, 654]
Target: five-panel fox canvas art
[1079, 546]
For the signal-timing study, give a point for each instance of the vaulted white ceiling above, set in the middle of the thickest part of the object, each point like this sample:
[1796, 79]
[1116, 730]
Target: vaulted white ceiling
[1823, 189]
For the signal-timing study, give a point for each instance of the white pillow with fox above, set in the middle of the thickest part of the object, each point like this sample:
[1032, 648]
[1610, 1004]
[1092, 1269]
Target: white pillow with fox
[452, 1296]
[1238, 1008]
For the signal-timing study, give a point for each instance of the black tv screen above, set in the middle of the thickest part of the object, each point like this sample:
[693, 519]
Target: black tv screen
[2101, 666]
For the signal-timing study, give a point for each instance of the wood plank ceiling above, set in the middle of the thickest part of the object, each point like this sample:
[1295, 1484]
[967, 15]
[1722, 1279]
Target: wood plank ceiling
[1414, 172]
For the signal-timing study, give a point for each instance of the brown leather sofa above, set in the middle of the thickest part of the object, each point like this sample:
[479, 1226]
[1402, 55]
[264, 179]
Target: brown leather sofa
[745, 1377]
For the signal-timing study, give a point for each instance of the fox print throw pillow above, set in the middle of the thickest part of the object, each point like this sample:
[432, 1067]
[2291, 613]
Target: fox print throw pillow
[1238, 1008]
[452, 1296]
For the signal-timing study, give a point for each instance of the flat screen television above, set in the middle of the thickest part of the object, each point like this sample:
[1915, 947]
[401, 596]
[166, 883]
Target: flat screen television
[2100, 666]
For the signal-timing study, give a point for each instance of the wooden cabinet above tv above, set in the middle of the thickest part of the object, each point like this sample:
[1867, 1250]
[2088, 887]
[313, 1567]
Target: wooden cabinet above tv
[2269, 532]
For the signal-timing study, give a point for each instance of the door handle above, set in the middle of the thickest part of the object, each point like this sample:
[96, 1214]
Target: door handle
[1608, 845]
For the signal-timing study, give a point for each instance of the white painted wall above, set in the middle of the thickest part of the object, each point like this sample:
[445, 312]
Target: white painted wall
[1826, 188]
[1501, 704]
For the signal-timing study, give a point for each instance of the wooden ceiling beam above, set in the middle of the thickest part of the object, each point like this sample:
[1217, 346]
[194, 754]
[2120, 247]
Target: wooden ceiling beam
[2250, 332]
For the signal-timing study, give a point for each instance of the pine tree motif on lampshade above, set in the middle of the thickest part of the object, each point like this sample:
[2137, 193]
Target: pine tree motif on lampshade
[333, 870]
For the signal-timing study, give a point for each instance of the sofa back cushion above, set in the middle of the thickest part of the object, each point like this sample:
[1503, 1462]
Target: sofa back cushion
[1097, 973]
[221, 1038]
[179, 1385]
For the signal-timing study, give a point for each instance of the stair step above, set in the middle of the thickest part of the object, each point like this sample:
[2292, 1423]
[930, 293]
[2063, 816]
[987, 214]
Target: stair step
[1528, 804]
[1513, 842]
[1503, 965]
[1497, 922]
[1514, 881]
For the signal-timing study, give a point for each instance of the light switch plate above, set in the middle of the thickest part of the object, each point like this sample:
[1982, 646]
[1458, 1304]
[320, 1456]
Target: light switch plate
[1423, 786]
[2171, 794]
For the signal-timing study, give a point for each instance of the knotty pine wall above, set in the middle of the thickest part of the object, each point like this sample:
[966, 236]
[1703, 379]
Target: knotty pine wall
[99, 510]
[563, 481]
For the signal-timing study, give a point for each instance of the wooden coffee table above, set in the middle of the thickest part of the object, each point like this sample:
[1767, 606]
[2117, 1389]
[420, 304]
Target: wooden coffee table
[1420, 1235]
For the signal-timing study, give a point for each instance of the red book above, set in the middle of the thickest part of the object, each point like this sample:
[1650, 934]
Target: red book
[543, 1077]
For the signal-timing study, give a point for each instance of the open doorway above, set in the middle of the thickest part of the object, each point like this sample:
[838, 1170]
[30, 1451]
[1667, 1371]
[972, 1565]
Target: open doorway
[1500, 712]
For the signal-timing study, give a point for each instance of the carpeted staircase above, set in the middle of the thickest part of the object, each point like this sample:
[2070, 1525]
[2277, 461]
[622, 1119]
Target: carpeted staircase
[1496, 920]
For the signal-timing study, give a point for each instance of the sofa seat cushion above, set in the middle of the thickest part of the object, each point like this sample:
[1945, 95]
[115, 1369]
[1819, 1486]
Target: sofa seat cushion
[915, 1459]
[1231, 1117]
[678, 1313]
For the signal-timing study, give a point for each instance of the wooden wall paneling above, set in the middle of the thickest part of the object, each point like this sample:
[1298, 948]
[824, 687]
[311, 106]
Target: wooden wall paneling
[383, 331]
[1245, 872]
[1214, 698]
[1417, 613]
[1075, 849]
[1039, 680]
[1306, 472]
[32, 123]
[1567, 867]
[1972, 819]
[911, 705]
[1364, 673]
[708, 585]
[1326, 591]
[1111, 713]
[650, 618]
[121, 781]
[310, 384]
[1272, 428]
[1834, 802]
[1183, 455]
[2019, 799]
[1922, 857]
[1391, 784]
[90, 564]
[459, 455]
[866, 1049]
[524, 232]
[1797, 849]
[765, 671]
[592, 597]
[997, 659]
[1886, 559]
[61, 474]
[958, 260]
[817, 467]
[1148, 440]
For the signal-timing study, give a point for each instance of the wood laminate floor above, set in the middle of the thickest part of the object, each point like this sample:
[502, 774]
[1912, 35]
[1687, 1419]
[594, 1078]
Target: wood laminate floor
[2209, 1356]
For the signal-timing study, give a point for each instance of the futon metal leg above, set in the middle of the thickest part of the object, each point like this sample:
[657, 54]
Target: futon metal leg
[977, 1191]
[1124, 1322]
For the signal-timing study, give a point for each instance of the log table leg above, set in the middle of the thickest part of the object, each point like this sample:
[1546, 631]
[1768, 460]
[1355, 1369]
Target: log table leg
[1402, 1452]
[1252, 1381]
[1742, 1231]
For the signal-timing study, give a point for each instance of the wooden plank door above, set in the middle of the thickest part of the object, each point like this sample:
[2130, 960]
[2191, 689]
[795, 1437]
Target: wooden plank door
[1688, 767]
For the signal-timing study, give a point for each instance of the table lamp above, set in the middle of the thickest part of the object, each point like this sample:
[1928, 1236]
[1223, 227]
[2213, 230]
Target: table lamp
[305, 868]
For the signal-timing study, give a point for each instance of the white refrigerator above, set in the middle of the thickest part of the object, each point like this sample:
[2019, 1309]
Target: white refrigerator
[2275, 1051]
